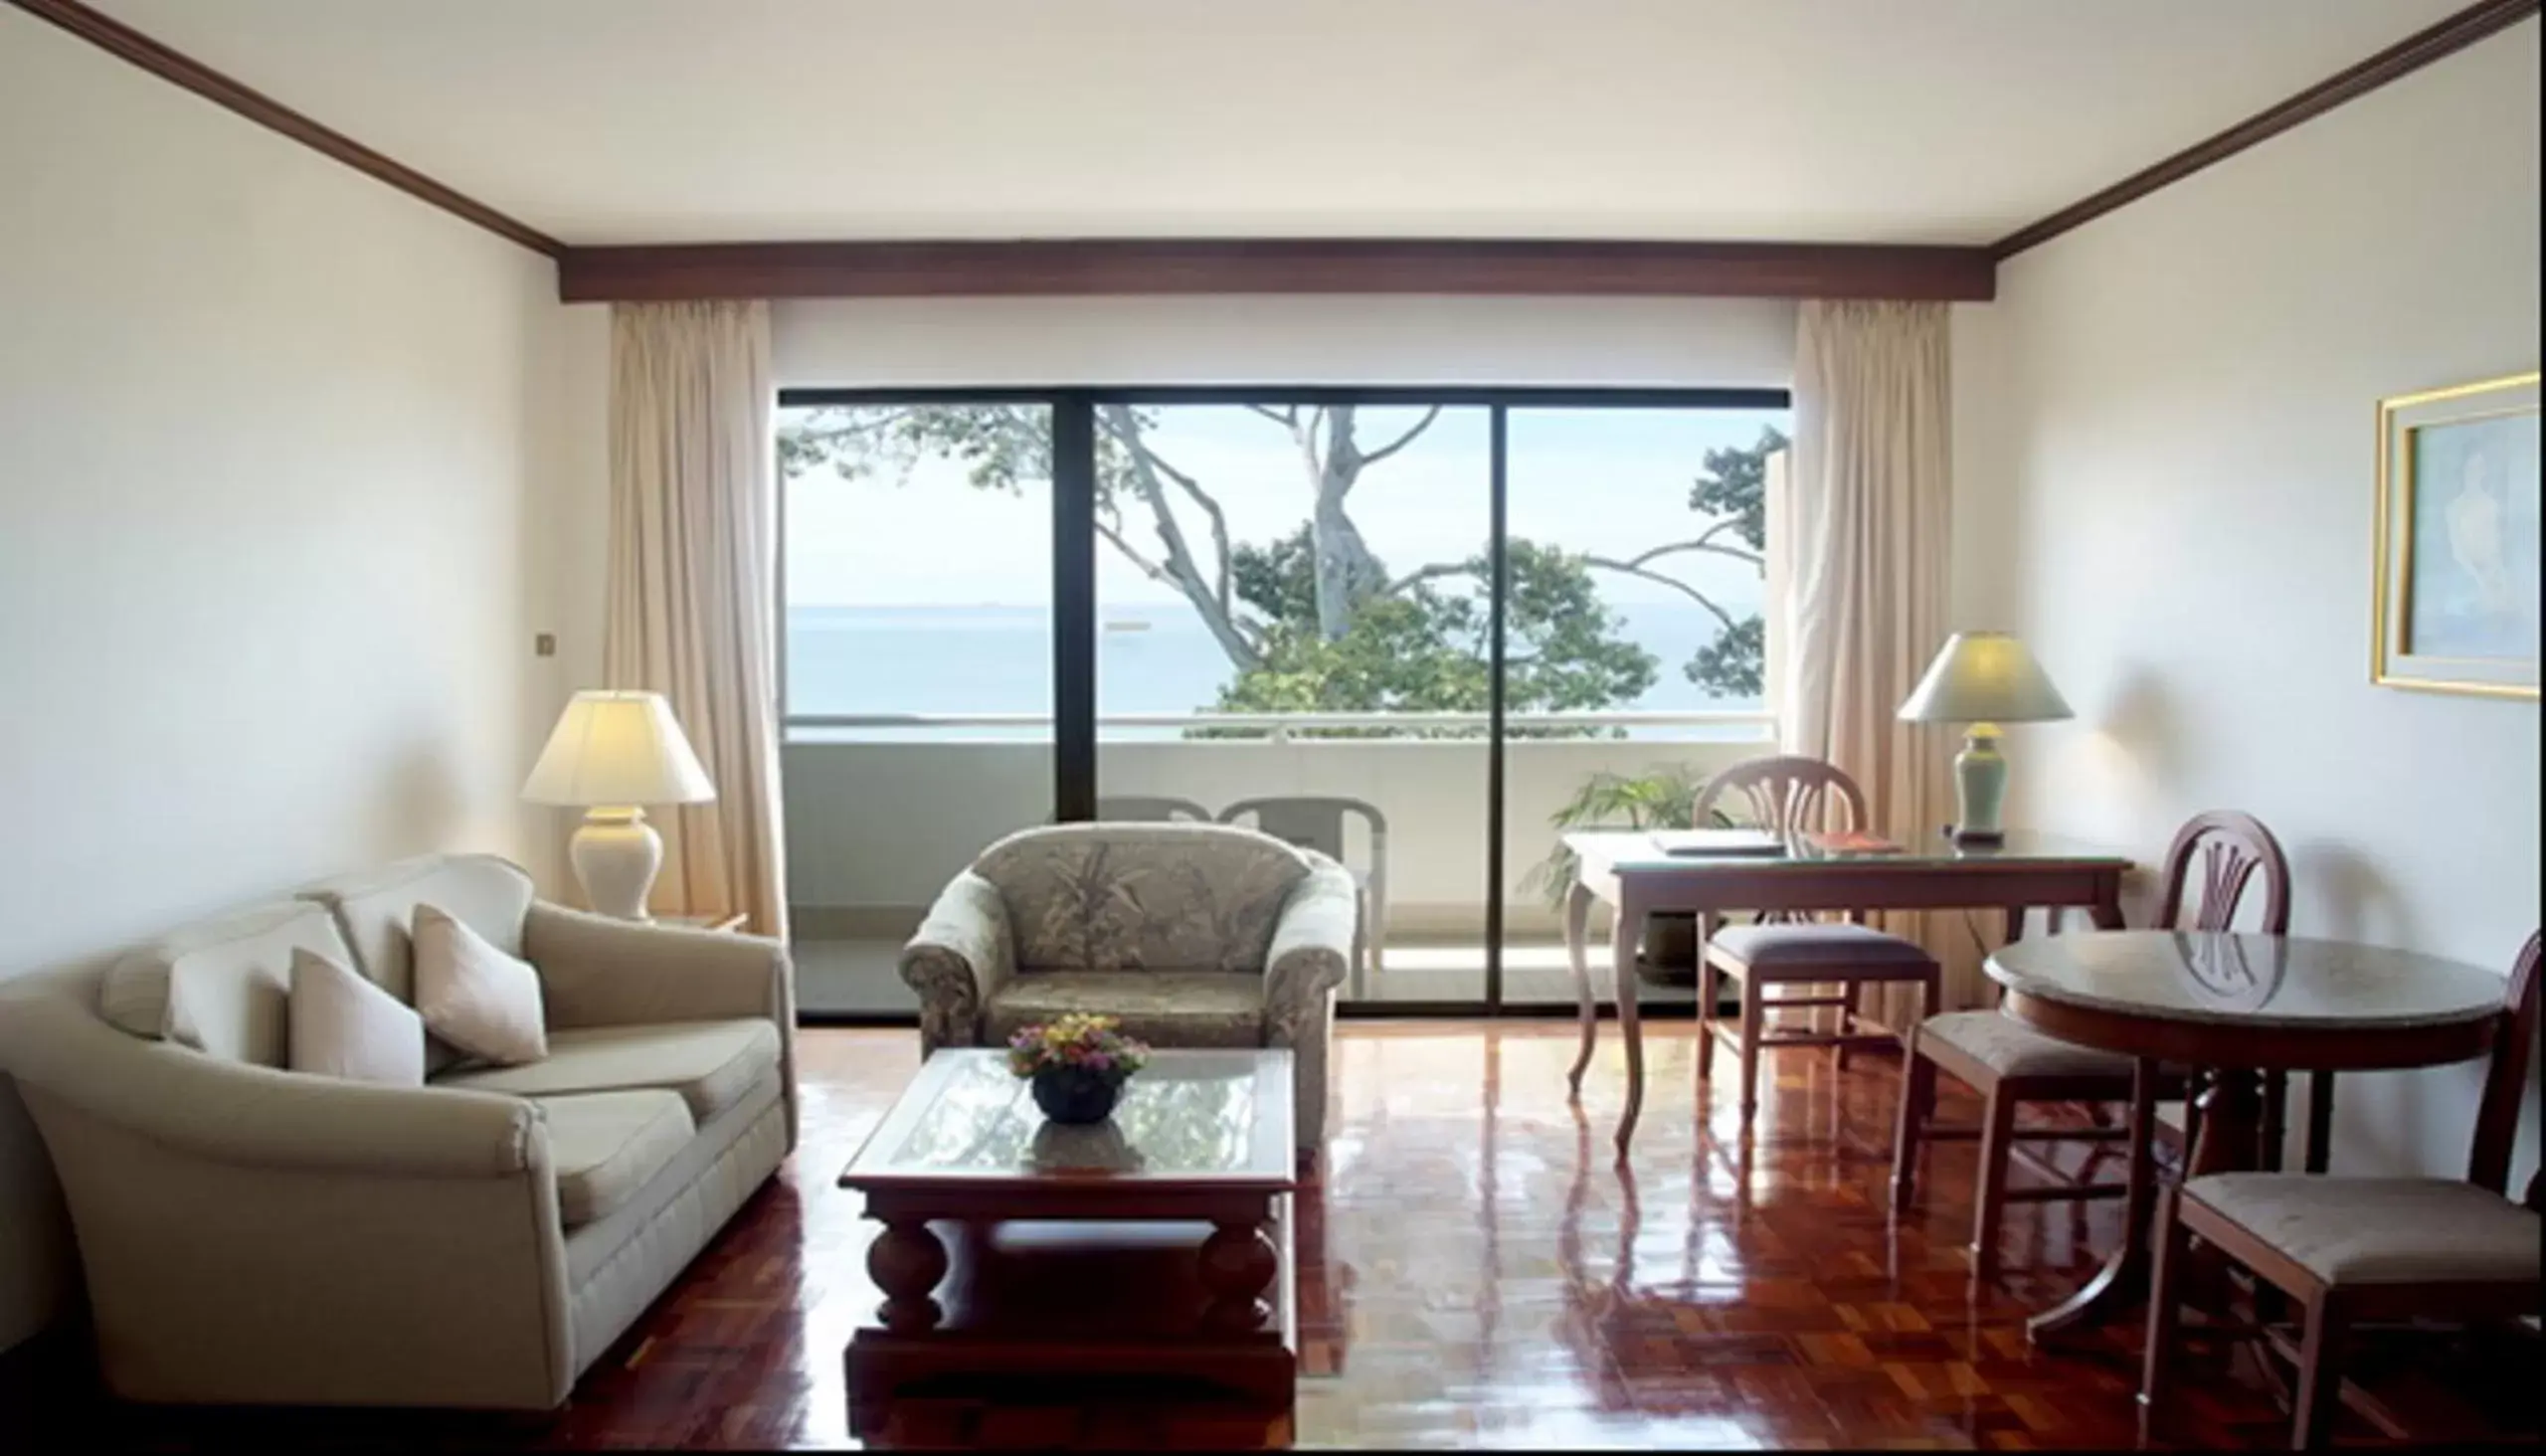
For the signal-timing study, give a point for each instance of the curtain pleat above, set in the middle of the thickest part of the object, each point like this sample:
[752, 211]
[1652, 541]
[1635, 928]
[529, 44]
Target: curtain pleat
[694, 585]
[1869, 555]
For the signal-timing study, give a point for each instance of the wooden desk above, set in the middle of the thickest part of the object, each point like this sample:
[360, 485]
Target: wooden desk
[1626, 869]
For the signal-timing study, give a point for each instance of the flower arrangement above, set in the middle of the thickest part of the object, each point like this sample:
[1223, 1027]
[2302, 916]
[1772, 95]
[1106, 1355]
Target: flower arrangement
[1077, 1065]
[1079, 1042]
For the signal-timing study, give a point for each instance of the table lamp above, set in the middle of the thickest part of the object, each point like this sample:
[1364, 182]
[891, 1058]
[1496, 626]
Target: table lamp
[611, 754]
[1982, 679]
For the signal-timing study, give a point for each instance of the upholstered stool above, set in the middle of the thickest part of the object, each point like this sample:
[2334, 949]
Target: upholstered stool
[1850, 956]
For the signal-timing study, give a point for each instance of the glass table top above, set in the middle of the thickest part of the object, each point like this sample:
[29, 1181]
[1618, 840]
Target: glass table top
[1636, 849]
[1208, 1116]
[2255, 980]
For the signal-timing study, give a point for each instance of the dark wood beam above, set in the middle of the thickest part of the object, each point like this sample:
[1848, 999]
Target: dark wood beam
[2403, 59]
[176, 68]
[1093, 265]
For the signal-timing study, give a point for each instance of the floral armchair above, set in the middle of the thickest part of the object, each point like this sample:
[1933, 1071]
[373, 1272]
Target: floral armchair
[1194, 935]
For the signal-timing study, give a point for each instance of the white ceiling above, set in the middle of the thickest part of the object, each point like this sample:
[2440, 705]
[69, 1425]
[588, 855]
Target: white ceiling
[1847, 120]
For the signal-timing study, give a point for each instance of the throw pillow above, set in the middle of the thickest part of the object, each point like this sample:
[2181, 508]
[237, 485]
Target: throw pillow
[474, 995]
[342, 1026]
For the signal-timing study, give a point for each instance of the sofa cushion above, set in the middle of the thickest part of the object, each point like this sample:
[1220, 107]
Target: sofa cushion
[221, 986]
[2380, 1230]
[1161, 1007]
[709, 1063]
[1142, 897]
[605, 1145]
[474, 995]
[376, 909]
[344, 1026]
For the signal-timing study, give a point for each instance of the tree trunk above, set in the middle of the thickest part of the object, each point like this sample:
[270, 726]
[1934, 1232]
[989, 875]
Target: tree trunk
[1347, 572]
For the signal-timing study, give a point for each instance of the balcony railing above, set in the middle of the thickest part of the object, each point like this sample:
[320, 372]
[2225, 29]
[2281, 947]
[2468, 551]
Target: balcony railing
[1279, 727]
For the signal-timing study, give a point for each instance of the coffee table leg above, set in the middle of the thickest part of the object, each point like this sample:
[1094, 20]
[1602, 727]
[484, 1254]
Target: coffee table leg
[1238, 1262]
[906, 1261]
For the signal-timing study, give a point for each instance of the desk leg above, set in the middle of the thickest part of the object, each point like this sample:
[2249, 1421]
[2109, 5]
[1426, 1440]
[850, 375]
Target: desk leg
[2123, 1281]
[1577, 953]
[2107, 911]
[1630, 1021]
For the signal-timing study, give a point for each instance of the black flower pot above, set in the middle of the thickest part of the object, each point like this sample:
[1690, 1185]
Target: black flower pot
[1076, 1094]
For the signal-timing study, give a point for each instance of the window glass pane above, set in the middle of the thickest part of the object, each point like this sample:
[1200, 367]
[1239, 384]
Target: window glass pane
[917, 668]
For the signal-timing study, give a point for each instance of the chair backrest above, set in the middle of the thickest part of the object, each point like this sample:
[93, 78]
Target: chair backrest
[1118, 809]
[1312, 822]
[1142, 897]
[2232, 847]
[2506, 1079]
[1786, 794]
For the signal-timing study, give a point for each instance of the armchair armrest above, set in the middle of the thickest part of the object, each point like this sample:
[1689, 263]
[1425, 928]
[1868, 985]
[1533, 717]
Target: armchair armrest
[960, 958]
[257, 1117]
[599, 971]
[1310, 951]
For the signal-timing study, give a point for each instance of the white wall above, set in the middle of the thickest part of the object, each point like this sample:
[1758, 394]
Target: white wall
[268, 467]
[2168, 468]
[1314, 339]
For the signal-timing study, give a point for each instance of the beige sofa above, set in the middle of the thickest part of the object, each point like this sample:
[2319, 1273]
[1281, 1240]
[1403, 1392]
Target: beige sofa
[250, 1233]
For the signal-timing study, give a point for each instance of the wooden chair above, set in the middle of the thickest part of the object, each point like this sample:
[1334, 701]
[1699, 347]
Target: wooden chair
[1315, 821]
[2349, 1250]
[1790, 795]
[1150, 809]
[2010, 1064]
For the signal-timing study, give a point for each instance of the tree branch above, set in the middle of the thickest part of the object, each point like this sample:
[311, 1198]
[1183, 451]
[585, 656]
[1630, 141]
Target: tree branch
[1434, 572]
[1182, 571]
[1403, 440]
[1633, 568]
[1288, 417]
[1706, 543]
[1211, 508]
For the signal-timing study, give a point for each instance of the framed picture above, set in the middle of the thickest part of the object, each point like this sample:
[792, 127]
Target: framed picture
[2457, 540]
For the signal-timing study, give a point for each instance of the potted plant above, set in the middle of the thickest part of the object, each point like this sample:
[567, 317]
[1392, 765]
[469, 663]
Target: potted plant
[1663, 797]
[1077, 1064]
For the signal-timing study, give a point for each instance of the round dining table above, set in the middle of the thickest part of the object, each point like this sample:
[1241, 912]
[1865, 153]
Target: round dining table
[2231, 1009]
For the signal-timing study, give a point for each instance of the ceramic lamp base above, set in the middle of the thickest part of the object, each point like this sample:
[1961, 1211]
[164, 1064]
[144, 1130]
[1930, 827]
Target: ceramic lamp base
[616, 855]
[1979, 787]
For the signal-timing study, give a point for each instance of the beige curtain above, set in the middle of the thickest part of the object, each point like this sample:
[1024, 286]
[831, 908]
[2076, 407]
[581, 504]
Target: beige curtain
[1869, 520]
[694, 585]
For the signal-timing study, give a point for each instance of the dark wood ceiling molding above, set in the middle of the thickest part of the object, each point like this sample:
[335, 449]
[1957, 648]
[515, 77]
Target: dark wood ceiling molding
[2403, 59]
[122, 40]
[1115, 265]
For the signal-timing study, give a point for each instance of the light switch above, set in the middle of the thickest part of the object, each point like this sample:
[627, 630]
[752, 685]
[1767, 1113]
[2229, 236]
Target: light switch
[545, 645]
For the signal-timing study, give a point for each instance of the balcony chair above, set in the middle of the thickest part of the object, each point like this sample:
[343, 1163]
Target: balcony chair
[1127, 808]
[1787, 795]
[1194, 935]
[1312, 822]
[2010, 1064]
[2354, 1249]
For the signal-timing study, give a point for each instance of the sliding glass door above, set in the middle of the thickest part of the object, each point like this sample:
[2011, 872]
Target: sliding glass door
[1293, 620]
[1413, 629]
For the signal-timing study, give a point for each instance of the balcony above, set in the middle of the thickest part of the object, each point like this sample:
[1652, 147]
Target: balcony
[883, 808]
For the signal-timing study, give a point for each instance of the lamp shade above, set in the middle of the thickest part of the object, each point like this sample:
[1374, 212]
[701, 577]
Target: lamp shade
[617, 748]
[1984, 677]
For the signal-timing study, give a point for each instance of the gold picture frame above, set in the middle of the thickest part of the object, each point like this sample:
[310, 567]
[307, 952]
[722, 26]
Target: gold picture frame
[2455, 587]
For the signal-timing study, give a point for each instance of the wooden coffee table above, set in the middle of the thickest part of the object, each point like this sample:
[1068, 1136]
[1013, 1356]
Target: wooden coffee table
[1147, 1247]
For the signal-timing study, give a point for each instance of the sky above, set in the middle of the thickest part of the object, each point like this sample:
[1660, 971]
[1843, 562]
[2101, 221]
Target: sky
[1613, 481]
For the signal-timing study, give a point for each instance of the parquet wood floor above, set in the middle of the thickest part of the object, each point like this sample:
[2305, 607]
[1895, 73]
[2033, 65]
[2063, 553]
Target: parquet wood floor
[1475, 1272]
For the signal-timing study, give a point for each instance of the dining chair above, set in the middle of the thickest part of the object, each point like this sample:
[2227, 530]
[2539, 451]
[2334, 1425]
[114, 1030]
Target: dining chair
[2010, 1064]
[2349, 1250]
[1317, 821]
[1787, 795]
[1149, 809]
